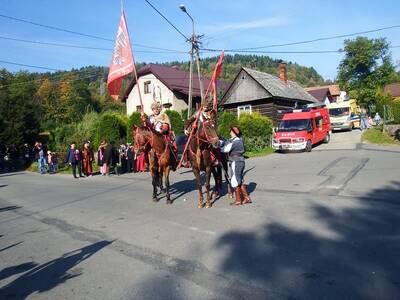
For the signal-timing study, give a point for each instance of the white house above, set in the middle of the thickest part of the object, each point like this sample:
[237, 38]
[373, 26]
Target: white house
[168, 86]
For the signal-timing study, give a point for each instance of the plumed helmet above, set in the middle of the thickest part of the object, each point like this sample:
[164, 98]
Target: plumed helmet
[155, 105]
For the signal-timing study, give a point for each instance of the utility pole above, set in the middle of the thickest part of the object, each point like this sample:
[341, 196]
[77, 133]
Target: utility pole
[194, 50]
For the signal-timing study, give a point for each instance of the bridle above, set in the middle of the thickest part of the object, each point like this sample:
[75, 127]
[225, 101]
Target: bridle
[150, 142]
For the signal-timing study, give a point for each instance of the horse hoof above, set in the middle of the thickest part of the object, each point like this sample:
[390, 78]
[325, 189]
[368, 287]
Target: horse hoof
[215, 194]
[200, 205]
[169, 201]
[155, 200]
[208, 205]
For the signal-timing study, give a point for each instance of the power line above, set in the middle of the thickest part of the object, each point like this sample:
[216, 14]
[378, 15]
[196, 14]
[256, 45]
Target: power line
[77, 33]
[274, 52]
[316, 40]
[29, 66]
[166, 19]
[79, 46]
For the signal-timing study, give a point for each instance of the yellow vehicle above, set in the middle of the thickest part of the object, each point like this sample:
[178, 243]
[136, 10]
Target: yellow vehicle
[344, 115]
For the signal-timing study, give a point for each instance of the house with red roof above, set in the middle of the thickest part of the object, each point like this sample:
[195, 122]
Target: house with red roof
[393, 90]
[168, 86]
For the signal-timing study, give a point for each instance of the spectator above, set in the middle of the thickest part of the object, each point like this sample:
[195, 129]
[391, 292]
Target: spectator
[109, 159]
[364, 119]
[74, 158]
[377, 119]
[87, 159]
[100, 158]
[129, 158]
[26, 152]
[50, 162]
[40, 156]
[141, 162]
[54, 161]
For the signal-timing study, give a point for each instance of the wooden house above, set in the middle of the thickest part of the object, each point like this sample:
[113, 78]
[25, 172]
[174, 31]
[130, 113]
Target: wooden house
[252, 91]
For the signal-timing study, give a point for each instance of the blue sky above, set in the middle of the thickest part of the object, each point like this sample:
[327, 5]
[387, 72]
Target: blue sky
[225, 24]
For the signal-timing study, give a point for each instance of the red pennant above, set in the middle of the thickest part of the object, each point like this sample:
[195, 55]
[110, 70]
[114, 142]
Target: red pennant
[122, 62]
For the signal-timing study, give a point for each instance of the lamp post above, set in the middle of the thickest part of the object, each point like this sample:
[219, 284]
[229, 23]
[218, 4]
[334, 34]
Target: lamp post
[194, 48]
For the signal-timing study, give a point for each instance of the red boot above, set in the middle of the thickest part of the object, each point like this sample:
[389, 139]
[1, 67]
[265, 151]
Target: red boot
[238, 196]
[246, 197]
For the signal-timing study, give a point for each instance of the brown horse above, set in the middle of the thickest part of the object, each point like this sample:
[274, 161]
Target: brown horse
[201, 148]
[160, 157]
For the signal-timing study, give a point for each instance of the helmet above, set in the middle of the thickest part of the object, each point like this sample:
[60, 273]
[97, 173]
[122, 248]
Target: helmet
[155, 105]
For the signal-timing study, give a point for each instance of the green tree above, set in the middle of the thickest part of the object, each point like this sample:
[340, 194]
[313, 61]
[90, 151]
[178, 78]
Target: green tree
[176, 121]
[19, 109]
[367, 66]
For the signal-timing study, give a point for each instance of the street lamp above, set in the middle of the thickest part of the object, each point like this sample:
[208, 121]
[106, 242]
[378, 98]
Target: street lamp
[194, 47]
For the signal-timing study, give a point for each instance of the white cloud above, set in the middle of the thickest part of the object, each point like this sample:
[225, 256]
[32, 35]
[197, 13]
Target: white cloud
[261, 23]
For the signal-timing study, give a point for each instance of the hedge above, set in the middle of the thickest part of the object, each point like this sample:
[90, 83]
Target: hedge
[225, 122]
[256, 130]
[176, 121]
[112, 128]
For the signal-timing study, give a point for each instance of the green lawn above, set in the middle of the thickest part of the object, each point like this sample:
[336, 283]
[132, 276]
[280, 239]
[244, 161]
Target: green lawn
[263, 152]
[375, 136]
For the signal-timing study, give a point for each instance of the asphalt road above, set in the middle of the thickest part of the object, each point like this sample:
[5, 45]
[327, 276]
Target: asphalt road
[324, 225]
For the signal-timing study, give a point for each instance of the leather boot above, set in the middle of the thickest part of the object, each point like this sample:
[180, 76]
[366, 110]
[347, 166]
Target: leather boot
[238, 198]
[246, 197]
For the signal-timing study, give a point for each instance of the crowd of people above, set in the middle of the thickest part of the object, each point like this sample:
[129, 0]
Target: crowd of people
[366, 121]
[109, 159]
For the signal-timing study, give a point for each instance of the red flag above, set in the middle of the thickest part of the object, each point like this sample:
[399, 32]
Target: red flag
[122, 62]
[213, 82]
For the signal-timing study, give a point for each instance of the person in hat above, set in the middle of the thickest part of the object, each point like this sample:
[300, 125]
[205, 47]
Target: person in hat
[160, 122]
[235, 149]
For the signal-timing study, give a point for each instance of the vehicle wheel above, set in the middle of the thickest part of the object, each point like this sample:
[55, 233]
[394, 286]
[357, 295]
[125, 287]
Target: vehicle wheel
[327, 138]
[308, 146]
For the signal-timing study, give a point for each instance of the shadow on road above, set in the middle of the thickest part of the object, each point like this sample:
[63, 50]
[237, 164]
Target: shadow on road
[41, 278]
[11, 246]
[358, 260]
[8, 208]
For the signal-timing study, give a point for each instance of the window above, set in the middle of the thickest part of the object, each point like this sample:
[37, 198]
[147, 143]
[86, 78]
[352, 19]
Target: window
[318, 122]
[244, 109]
[147, 87]
[138, 108]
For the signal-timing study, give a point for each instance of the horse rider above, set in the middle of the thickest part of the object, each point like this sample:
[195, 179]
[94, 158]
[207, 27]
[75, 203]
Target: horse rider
[235, 149]
[160, 123]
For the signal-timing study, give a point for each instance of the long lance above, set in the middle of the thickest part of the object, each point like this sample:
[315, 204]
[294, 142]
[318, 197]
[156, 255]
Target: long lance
[192, 131]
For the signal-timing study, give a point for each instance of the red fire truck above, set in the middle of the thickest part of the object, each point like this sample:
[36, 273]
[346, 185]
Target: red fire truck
[300, 129]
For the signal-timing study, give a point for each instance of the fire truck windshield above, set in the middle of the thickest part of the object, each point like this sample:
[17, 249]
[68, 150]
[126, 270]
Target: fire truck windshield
[295, 125]
[339, 112]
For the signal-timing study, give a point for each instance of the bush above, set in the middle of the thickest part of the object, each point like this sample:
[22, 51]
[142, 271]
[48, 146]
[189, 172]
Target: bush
[256, 131]
[176, 121]
[391, 112]
[226, 121]
[111, 127]
[134, 119]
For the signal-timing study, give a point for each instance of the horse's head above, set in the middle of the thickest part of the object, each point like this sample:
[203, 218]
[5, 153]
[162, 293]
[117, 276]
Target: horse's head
[142, 138]
[208, 130]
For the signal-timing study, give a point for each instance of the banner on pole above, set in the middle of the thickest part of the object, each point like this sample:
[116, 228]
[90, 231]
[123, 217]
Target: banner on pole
[122, 62]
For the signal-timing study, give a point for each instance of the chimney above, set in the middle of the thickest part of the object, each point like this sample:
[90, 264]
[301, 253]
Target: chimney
[282, 72]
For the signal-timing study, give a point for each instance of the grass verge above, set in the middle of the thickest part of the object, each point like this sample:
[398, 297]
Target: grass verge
[376, 136]
[258, 153]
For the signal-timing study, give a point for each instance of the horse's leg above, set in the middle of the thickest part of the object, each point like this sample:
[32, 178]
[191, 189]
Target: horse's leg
[160, 182]
[196, 173]
[154, 175]
[166, 175]
[208, 178]
[226, 175]
[217, 174]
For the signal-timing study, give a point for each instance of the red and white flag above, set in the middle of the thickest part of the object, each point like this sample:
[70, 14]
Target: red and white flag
[213, 82]
[122, 62]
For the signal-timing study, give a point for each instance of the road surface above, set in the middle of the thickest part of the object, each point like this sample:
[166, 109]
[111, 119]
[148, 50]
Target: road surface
[323, 225]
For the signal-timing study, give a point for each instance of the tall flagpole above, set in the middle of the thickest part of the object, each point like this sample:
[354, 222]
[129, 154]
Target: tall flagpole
[134, 63]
